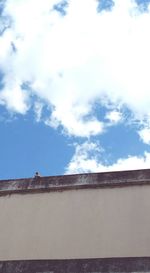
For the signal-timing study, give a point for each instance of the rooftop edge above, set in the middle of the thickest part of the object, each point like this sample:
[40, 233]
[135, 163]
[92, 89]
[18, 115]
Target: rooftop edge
[75, 181]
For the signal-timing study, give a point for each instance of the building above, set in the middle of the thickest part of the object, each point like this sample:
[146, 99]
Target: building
[84, 223]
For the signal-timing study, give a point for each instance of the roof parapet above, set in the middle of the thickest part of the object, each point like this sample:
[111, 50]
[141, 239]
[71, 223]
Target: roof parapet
[75, 181]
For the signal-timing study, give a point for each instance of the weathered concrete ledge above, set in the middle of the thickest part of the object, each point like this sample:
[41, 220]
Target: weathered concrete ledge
[76, 181]
[105, 265]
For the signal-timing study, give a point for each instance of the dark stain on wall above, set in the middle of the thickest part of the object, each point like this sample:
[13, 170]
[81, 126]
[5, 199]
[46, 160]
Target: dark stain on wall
[113, 265]
[76, 181]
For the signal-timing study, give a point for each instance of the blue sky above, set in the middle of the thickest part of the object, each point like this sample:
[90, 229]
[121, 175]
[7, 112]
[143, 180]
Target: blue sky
[74, 86]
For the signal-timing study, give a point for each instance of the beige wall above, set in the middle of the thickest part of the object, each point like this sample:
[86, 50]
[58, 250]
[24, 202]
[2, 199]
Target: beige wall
[76, 224]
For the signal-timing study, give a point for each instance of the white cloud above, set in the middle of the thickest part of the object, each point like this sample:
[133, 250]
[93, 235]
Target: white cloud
[38, 107]
[14, 98]
[114, 117]
[145, 135]
[74, 61]
[83, 162]
[84, 159]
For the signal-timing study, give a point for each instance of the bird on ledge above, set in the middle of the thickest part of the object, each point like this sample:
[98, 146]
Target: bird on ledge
[37, 174]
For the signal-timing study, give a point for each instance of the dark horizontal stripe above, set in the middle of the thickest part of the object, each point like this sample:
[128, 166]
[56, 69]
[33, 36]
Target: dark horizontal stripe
[76, 181]
[111, 265]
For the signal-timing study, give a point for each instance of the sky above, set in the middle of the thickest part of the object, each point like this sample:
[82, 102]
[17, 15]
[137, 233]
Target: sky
[74, 86]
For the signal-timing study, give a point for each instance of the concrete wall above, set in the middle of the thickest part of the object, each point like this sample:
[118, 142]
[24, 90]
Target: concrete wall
[86, 223]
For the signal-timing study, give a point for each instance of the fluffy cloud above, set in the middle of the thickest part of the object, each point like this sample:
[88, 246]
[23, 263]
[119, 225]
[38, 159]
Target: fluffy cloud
[88, 158]
[114, 117]
[145, 135]
[70, 62]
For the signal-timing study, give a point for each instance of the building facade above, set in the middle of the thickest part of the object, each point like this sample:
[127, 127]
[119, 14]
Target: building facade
[76, 223]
